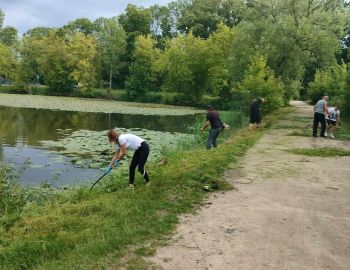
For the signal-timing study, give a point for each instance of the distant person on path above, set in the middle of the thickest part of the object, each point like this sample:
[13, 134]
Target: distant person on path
[333, 117]
[124, 142]
[213, 119]
[255, 113]
[320, 111]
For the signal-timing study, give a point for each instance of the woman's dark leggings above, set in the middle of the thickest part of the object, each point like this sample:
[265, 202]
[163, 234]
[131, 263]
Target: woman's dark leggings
[138, 160]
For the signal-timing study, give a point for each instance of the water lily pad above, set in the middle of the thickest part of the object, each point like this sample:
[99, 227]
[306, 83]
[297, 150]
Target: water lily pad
[94, 146]
[37, 166]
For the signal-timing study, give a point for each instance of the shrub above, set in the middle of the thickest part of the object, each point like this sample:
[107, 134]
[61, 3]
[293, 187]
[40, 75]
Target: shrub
[260, 81]
[329, 82]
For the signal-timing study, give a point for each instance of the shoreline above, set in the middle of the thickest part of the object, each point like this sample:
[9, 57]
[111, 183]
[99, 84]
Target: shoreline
[92, 105]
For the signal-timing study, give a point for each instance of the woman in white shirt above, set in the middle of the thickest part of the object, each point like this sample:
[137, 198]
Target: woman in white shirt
[333, 117]
[124, 142]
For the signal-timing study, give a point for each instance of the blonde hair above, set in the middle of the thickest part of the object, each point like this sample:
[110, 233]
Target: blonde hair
[113, 135]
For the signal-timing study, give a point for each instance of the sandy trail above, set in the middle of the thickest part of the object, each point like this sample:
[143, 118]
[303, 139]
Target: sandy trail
[295, 214]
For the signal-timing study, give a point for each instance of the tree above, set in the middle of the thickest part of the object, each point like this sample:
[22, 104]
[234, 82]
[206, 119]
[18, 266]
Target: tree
[2, 15]
[136, 21]
[66, 61]
[82, 25]
[298, 37]
[38, 32]
[28, 67]
[112, 46]
[54, 61]
[260, 81]
[185, 66]
[8, 36]
[7, 62]
[142, 70]
[346, 98]
[202, 17]
[83, 50]
[164, 20]
[330, 81]
[302, 36]
[220, 45]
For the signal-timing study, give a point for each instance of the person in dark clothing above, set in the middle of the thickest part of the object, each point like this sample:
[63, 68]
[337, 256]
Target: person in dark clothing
[124, 142]
[213, 119]
[255, 113]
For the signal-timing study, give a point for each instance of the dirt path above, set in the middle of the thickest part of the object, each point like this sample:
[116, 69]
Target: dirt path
[295, 214]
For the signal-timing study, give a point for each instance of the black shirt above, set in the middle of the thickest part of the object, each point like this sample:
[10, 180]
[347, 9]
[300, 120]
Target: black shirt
[214, 118]
[255, 112]
[255, 108]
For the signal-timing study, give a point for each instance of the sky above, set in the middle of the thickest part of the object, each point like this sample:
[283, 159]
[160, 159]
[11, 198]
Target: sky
[26, 14]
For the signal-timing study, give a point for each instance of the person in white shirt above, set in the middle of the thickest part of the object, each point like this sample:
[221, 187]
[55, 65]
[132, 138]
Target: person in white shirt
[124, 142]
[333, 117]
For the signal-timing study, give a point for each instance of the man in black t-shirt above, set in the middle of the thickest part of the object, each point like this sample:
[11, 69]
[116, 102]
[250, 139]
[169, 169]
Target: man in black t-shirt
[255, 113]
[213, 119]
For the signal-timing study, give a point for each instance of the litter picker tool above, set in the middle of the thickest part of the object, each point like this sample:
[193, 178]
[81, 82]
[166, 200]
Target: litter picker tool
[116, 164]
[98, 180]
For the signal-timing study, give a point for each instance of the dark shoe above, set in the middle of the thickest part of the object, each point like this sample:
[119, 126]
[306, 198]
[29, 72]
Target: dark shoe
[315, 136]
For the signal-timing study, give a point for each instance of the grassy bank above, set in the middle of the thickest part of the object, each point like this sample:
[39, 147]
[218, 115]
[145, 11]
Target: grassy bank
[78, 229]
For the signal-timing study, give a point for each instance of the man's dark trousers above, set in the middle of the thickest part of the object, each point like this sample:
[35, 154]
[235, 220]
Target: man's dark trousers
[319, 118]
[213, 134]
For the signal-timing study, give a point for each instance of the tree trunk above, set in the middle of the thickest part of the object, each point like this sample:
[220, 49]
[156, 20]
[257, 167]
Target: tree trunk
[110, 82]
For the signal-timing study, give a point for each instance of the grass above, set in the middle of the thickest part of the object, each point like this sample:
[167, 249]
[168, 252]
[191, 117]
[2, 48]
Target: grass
[113, 226]
[301, 132]
[343, 132]
[320, 152]
[298, 118]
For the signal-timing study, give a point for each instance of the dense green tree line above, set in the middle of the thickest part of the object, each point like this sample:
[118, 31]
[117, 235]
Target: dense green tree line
[233, 50]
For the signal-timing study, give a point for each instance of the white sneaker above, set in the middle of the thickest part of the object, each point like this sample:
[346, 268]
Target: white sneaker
[331, 135]
[326, 134]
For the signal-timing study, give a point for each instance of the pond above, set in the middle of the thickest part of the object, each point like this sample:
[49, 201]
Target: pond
[71, 147]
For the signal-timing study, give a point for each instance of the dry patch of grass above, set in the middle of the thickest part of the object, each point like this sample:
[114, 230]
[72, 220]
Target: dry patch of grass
[320, 152]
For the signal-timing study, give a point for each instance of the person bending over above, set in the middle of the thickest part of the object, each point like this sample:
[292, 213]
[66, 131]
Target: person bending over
[255, 113]
[333, 117]
[213, 119]
[124, 142]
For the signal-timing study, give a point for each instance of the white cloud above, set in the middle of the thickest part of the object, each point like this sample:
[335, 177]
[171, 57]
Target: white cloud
[26, 14]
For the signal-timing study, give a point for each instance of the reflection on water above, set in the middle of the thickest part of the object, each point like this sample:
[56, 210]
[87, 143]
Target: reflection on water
[22, 129]
[33, 125]
[38, 165]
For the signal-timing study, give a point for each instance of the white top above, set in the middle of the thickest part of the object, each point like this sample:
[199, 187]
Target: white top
[332, 113]
[131, 141]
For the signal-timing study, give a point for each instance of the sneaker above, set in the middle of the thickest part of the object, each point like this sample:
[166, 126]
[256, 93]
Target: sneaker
[131, 186]
[331, 135]
[326, 134]
[148, 184]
